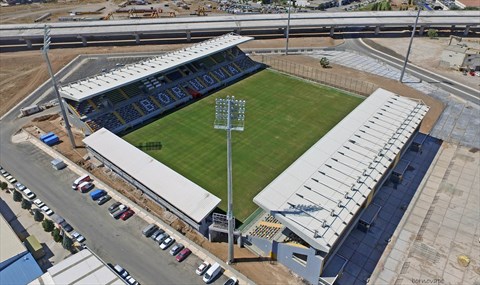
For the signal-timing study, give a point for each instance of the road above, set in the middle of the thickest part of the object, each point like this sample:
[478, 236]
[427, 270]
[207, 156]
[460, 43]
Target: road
[458, 89]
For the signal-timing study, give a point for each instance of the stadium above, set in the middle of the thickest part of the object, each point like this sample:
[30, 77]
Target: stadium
[327, 170]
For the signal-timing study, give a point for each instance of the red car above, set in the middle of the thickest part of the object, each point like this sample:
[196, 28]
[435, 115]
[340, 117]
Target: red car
[127, 214]
[183, 254]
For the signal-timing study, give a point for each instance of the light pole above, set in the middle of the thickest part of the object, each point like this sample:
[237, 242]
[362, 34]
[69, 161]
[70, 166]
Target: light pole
[229, 116]
[46, 47]
[288, 25]
[410, 44]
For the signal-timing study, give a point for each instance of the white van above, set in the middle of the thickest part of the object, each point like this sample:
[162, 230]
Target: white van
[212, 272]
[84, 178]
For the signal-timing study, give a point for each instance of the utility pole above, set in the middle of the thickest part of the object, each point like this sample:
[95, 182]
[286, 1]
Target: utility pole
[288, 25]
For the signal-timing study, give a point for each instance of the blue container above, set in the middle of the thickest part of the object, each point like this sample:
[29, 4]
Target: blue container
[46, 136]
[51, 140]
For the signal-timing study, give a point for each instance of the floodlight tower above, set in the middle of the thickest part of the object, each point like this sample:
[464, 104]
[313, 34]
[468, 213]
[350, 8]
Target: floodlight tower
[229, 116]
[410, 44]
[46, 47]
[288, 25]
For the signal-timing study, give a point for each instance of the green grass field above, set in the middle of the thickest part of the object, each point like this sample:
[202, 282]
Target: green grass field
[284, 117]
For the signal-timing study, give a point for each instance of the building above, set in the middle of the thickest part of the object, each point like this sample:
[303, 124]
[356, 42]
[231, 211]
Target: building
[84, 267]
[315, 203]
[17, 265]
[159, 182]
[467, 3]
[461, 55]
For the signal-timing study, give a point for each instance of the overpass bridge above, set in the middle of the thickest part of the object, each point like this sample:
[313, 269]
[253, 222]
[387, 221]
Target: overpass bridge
[143, 30]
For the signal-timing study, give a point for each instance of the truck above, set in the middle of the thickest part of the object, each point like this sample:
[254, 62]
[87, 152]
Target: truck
[97, 193]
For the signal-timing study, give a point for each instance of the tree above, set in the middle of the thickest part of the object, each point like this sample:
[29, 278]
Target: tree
[67, 243]
[324, 62]
[48, 225]
[432, 33]
[26, 204]
[3, 185]
[56, 235]
[17, 196]
[37, 215]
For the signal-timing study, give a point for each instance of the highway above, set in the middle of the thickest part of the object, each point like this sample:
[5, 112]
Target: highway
[188, 28]
[465, 92]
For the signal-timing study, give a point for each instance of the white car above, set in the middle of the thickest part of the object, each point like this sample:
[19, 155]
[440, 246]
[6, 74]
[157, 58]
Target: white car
[47, 210]
[11, 179]
[167, 242]
[78, 237]
[30, 195]
[202, 268]
[38, 203]
[20, 186]
[131, 280]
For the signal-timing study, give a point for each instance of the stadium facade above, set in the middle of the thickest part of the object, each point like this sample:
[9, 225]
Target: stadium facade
[315, 203]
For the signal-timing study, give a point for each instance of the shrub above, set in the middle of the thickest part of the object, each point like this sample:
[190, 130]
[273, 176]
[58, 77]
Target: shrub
[17, 196]
[324, 62]
[3, 185]
[67, 243]
[48, 225]
[56, 235]
[432, 33]
[26, 204]
[37, 215]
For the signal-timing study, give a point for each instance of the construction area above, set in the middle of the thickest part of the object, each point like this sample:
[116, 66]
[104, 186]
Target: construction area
[94, 10]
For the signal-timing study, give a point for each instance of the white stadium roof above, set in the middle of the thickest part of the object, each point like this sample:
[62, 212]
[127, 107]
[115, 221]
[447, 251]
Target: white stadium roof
[317, 196]
[101, 83]
[183, 194]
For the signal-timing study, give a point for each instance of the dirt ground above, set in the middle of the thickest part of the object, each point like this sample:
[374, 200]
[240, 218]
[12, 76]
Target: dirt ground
[429, 60]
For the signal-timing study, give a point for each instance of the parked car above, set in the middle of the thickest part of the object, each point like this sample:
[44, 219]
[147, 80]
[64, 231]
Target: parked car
[85, 187]
[128, 213]
[176, 249]
[66, 226]
[97, 194]
[212, 272]
[121, 209]
[114, 207]
[167, 242]
[122, 272]
[231, 281]
[131, 280]
[20, 186]
[78, 237]
[5, 173]
[47, 210]
[38, 203]
[11, 179]
[183, 254]
[30, 195]
[156, 233]
[161, 238]
[103, 199]
[80, 180]
[149, 230]
[202, 268]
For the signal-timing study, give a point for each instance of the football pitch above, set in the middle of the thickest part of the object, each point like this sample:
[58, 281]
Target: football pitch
[285, 116]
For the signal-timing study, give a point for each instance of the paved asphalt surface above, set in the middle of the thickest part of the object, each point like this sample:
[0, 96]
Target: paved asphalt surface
[451, 86]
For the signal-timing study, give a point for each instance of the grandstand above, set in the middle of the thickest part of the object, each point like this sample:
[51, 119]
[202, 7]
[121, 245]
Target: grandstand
[313, 205]
[127, 96]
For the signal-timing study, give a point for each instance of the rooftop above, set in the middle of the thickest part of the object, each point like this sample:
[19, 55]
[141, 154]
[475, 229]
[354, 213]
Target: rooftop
[183, 194]
[317, 196]
[81, 268]
[101, 83]
[11, 245]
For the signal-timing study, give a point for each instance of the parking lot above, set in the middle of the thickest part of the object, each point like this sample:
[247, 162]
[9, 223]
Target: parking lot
[115, 241]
